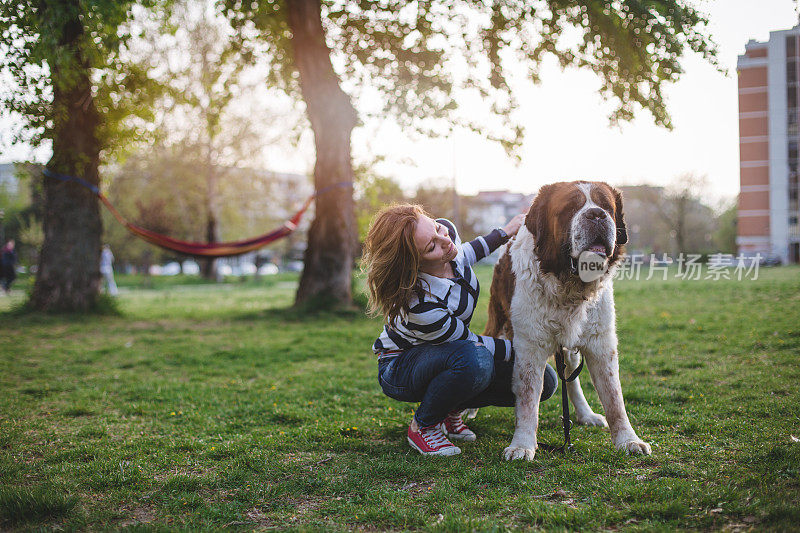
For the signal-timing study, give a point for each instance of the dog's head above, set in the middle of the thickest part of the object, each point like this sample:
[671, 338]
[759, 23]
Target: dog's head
[569, 218]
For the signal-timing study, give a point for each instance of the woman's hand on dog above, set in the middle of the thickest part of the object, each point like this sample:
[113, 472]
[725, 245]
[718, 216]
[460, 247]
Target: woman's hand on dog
[514, 224]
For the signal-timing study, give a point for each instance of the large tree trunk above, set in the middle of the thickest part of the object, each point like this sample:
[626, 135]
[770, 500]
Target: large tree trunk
[331, 240]
[69, 273]
[208, 267]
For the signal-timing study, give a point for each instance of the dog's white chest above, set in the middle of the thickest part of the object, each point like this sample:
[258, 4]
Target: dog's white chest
[542, 312]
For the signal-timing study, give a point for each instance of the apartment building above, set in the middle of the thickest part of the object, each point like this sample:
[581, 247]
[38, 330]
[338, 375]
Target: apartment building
[769, 108]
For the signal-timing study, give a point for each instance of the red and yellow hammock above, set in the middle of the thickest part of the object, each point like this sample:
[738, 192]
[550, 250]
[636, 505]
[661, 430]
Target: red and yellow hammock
[199, 249]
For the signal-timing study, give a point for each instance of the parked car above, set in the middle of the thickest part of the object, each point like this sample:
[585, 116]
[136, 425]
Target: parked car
[267, 269]
[247, 269]
[190, 268]
[171, 269]
[769, 260]
[293, 266]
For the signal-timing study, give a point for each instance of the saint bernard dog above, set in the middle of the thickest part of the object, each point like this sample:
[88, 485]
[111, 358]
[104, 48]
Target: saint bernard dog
[540, 301]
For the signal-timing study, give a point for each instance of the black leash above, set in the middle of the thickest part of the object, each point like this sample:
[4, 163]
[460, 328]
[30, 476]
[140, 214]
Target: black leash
[561, 370]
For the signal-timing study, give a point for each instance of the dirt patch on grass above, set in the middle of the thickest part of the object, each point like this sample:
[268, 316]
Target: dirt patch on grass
[196, 473]
[559, 496]
[257, 516]
[415, 488]
[301, 508]
[307, 459]
[137, 515]
[305, 505]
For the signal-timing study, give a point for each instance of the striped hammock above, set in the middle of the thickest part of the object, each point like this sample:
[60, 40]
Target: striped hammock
[199, 249]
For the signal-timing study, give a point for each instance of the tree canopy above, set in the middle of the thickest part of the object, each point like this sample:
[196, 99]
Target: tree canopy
[32, 41]
[418, 58]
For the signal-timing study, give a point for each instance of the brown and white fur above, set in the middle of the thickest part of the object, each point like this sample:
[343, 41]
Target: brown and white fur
[539, 301]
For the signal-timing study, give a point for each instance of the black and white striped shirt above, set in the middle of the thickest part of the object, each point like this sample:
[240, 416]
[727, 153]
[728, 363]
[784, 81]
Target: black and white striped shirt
[444, 312]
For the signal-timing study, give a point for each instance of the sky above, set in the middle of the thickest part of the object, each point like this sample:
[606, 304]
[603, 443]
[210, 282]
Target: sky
[568, 135]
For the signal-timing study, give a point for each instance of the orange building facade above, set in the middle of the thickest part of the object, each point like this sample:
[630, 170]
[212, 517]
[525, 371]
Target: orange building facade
[769, 108]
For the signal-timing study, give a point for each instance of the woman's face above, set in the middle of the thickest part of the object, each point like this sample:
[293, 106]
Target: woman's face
[434, 244]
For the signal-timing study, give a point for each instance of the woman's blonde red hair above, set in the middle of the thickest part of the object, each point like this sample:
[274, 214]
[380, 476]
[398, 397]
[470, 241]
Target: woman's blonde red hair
[391, 260]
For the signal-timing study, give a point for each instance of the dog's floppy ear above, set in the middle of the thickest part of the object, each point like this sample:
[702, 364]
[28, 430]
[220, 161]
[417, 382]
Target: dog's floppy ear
[538, 223]
[619, 218]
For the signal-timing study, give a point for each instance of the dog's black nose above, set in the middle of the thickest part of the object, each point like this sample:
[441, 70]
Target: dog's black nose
[594, 213]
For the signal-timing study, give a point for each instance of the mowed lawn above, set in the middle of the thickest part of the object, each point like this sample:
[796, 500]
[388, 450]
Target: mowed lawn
[207, 407]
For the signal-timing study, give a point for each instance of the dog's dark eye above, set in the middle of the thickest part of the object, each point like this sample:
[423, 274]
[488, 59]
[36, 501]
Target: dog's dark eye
[574, 203]
[602, 200]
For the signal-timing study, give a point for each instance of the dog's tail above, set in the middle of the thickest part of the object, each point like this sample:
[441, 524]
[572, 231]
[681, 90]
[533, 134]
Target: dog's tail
[499, 322]
[495, 325]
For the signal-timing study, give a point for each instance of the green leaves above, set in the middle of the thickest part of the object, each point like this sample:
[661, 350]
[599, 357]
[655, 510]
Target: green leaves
[46, 50]
[418, 60]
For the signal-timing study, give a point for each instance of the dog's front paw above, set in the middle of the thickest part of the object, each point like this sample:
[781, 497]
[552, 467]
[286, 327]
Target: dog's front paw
[512, 453]
[591, 419]
[635, 447]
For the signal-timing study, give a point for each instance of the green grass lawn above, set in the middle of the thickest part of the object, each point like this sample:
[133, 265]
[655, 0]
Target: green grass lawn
[211, 406]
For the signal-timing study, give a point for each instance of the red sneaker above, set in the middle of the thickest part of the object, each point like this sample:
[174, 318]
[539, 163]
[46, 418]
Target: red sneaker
[431, 441]
[454, 427]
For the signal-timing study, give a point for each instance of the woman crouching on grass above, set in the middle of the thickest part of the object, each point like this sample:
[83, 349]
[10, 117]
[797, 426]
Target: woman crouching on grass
[420, 279]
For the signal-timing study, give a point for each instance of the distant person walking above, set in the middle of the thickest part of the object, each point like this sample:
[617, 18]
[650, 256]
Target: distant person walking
[8, 264]
[107, 270]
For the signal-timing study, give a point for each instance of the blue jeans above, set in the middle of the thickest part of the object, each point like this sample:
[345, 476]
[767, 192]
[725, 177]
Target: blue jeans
[452, 376]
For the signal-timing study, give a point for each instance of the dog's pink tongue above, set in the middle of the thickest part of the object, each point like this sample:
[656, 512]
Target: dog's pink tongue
[598, 248]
